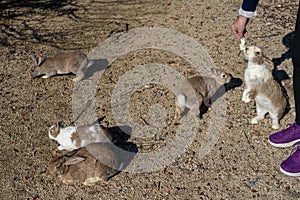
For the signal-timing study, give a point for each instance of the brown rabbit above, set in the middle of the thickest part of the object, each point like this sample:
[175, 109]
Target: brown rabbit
[88, 165]
[71, 61]
[289, 88]
[204, 89]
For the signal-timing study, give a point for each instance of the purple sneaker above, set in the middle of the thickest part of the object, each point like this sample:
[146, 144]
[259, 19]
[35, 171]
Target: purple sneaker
[287, 137]
[291, 166]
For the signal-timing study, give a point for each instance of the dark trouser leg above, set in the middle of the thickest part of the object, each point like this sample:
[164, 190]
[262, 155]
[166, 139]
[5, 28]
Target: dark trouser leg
[296, 64]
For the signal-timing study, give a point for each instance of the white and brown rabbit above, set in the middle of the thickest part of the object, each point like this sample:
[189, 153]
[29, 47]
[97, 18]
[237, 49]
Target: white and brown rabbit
[88, 165]
[72, 137]
[262, 88]
[65, 62]
[289, 88]
[203, 90]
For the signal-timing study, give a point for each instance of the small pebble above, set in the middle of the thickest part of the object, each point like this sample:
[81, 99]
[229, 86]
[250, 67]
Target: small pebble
[255, 132]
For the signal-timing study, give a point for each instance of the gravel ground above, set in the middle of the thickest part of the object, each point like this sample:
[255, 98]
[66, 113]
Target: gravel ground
[235, 160]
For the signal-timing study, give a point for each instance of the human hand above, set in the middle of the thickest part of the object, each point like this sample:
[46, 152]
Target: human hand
[238, 28]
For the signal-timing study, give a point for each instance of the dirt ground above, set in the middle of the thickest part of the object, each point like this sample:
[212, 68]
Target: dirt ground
[241, 165]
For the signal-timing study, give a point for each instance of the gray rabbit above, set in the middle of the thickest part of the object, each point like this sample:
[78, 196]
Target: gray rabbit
[204, 88]
[65, 62]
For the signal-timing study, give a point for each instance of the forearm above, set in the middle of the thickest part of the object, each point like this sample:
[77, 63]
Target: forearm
[248, 8]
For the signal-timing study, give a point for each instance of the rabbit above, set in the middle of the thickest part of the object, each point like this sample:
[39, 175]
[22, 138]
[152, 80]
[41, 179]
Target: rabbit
[289, 88]
[73, 137]
[262, 88]
[70, 61]
[88, 165]
[204, 88]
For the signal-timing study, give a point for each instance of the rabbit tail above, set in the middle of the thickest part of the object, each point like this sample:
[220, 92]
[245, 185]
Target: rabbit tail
[181, 100]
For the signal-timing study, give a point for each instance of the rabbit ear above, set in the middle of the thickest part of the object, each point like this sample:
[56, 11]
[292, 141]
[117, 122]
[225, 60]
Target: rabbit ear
[73, 161]
[39, 61]
[59, 121]
[60, 118]
[214, 71]
[34, 58]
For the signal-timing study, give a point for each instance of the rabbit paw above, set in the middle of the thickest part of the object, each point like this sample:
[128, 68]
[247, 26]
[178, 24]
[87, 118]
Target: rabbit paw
[65, 148]
[60, 148]
[275, 126]
[246, 99]
[92, 181]
[76, 79]
[254, 120]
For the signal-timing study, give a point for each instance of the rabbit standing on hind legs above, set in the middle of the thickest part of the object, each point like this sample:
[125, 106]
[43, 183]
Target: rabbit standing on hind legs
[261, 87]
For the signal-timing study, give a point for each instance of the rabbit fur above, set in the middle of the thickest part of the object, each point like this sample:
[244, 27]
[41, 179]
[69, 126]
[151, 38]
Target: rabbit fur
[262, 88]
[81, 166]
[65, 62]
[73, 137]
[203, 89]
[289, 88]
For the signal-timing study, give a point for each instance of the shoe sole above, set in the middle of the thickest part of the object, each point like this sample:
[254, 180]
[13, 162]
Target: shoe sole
[290, 173]
[284, 145]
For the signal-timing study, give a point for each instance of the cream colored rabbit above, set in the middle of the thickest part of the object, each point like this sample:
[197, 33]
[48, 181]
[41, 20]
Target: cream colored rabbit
[204, 88]
[71, 61]
[261, 87]
[88, 165]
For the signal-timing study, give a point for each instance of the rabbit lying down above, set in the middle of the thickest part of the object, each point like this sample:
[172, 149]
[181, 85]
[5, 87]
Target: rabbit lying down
[65, 62]
[74, 137]
[91, 164]
[262, 88]
[204, 89]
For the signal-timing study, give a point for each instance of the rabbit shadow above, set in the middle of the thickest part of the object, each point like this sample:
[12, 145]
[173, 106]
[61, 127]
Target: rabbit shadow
[121, 134]
[280, 75]
[95, 65]
[234, 82]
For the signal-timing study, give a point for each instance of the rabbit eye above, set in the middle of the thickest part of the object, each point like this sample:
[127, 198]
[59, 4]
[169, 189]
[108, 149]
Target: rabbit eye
[223, 75]
[257, 53]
